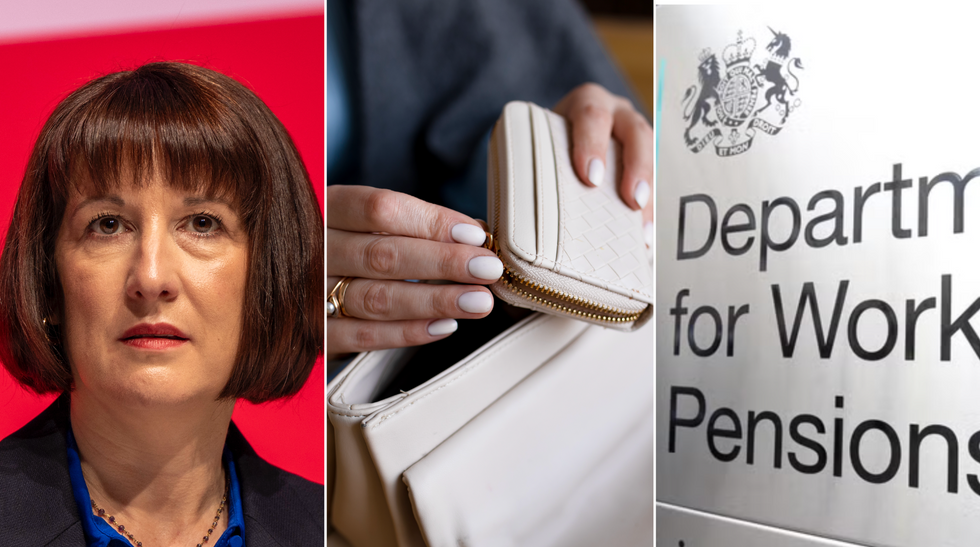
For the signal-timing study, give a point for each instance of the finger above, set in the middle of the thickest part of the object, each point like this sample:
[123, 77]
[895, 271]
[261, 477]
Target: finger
[631, 129]
[648, 224]
[366, 209]
[400, 300]
[376, 256]
[589, 110]
[350, 335]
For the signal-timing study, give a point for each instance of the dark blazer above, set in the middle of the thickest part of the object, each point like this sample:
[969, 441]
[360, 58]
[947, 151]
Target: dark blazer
[430, 78]
[37, 507]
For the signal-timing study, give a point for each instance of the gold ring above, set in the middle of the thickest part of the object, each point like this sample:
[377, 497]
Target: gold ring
[335, 300]
[489, 243]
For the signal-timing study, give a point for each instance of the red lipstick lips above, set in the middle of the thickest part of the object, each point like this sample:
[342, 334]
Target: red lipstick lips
[158, 336]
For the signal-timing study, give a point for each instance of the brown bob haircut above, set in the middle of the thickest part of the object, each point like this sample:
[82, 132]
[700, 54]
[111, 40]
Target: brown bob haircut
[201, 131]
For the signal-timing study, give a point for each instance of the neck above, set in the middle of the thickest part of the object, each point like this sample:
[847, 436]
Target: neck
[157, 469]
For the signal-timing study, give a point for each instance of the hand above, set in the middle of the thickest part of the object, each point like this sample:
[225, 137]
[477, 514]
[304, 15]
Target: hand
[595, 114]
[381, 238]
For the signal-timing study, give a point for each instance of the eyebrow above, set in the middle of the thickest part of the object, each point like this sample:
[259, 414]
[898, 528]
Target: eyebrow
[199, 200]
[112, 199]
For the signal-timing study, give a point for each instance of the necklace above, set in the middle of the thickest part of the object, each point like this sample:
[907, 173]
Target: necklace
[100, 512]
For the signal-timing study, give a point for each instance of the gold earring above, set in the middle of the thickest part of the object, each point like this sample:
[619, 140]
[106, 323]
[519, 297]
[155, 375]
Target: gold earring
[47, 326]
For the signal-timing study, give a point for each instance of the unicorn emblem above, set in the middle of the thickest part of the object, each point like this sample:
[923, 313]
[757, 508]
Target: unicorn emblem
[774, 73]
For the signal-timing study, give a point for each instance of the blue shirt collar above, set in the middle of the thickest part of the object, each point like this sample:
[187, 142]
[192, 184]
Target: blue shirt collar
[98, 533]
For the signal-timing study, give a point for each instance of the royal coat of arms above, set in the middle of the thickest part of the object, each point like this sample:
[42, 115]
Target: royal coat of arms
[721, 108]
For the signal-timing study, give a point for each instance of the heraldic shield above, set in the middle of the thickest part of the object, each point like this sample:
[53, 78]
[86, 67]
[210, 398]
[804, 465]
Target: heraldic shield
[721, 107]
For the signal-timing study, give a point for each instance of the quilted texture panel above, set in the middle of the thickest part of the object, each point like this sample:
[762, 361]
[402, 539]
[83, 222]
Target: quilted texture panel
[601, 239]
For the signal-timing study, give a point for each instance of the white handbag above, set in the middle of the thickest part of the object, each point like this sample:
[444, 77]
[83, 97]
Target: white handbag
[541, 436]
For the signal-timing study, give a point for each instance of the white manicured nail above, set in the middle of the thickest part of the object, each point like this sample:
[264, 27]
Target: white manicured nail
[642, 193]
[442, 326]
[648, 233]
[486, 267]
[597, 170]
[468, 234]
[475, 302]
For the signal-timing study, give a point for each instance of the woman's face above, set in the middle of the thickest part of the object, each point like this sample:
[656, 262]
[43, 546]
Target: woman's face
[153, 281]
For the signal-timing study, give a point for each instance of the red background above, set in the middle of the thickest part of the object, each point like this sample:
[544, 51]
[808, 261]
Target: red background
[282, 61]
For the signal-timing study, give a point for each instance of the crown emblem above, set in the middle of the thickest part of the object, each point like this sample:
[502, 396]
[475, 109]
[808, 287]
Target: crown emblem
[704, 55]
[739, 52]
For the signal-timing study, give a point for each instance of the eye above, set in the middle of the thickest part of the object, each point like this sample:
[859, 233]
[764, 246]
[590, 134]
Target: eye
[106, 225]
[204, 224]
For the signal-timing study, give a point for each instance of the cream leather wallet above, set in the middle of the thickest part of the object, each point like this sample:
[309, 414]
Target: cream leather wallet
[567, 248]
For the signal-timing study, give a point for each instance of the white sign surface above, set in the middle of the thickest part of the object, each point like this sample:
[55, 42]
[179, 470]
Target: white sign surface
[679, 527]
[818, 270]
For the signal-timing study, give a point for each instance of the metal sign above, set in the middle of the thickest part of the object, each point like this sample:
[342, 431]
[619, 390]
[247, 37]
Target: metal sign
[818, 275]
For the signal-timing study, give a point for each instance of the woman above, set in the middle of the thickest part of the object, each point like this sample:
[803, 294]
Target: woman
[164, 258]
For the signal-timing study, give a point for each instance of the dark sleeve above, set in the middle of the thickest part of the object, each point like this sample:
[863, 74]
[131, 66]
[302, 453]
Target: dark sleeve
[279, 508]
[37, 506]
[434, 75]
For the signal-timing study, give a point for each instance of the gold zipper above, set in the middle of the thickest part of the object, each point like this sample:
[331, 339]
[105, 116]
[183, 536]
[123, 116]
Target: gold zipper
[538, 293]
[564, 302]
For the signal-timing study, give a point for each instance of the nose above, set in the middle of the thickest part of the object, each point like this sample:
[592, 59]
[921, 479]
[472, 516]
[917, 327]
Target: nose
[153, 274]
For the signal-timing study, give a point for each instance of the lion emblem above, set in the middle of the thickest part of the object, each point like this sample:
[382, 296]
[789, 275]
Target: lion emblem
[708, 80]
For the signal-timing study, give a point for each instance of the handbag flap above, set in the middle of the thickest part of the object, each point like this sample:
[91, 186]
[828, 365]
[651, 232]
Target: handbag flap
[565, 457]
[550, 219]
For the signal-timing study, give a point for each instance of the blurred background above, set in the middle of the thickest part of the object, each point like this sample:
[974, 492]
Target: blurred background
[48, 48]
[625, 27]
